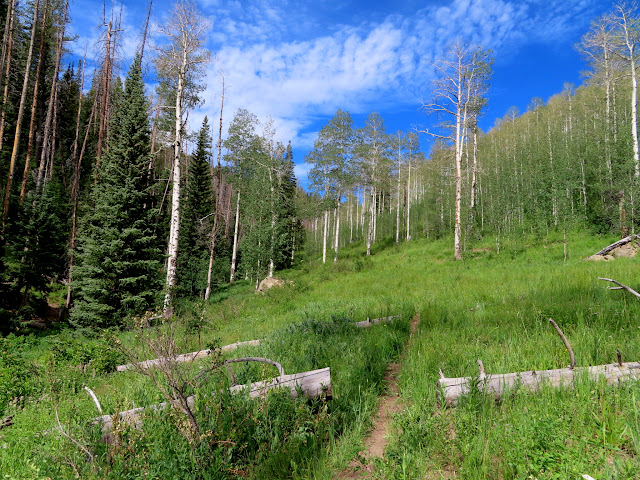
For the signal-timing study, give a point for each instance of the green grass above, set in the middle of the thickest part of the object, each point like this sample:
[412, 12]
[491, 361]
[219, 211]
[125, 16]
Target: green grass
[493, 306]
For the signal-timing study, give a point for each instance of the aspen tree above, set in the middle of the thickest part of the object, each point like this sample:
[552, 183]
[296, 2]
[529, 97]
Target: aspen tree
[451, 97]
[181, 62]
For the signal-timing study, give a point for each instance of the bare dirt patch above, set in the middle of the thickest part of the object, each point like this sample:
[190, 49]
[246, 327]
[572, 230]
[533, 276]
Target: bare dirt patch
[378, 438]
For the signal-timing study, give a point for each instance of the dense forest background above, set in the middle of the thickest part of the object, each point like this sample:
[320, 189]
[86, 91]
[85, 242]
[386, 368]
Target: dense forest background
[112, 209]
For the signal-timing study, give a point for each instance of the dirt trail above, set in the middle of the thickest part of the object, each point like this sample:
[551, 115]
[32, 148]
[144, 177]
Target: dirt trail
[389, 403]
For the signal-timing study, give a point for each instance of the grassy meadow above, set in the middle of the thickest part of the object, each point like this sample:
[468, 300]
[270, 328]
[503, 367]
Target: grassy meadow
[494, 305]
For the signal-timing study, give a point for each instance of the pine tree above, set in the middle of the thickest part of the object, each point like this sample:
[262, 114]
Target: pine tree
[195, 227]
[119, 262]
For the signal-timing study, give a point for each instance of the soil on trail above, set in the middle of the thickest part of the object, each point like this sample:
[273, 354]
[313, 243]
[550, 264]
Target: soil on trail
[378, 438]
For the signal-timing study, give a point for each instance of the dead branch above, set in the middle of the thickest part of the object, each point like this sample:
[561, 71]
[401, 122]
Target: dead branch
[620, 286]
[566, 343]
[94, 398]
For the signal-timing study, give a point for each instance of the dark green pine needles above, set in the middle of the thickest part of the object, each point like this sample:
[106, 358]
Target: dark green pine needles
[119, 258]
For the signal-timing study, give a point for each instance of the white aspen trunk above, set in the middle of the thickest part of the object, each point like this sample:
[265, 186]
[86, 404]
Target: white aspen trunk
[350, 220]
[457, 247]
[474, 171]
[408, 198]
[175, 194]
[235, 241]
[398, 205]
[324, 236]
[336, 243]
[372, 216]
[23, 98]
[273, 226]
[634, 86]
[554, 199]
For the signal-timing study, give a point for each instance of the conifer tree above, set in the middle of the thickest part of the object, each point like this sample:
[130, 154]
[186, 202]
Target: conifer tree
[119, 262]
[195, 227]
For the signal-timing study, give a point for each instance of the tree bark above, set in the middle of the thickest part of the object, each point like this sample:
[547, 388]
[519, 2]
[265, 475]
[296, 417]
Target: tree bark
[34, 104]
[235, 240]
[23, 98]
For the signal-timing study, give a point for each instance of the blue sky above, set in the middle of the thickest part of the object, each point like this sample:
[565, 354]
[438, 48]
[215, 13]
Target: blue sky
[299, 61]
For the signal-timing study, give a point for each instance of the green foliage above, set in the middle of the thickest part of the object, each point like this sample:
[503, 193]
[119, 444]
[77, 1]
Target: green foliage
[197, 220]
[118, 257]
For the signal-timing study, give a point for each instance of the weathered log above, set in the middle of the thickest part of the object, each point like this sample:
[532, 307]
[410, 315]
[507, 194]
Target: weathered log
[186, 357]
[620, 286]
[367, 323]
[451, 389]
[312, 384]
[617, 244]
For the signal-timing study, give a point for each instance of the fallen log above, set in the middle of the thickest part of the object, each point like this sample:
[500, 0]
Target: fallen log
[186, 357]
[311, 384]
[617, 244]
[367, 323]
[620, 286]
[451, 389]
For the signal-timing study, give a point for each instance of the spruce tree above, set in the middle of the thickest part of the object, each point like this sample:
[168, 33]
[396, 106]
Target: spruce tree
[119, 261]
[195, 229]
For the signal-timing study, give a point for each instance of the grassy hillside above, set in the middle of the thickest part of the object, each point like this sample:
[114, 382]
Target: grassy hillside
[493, 306]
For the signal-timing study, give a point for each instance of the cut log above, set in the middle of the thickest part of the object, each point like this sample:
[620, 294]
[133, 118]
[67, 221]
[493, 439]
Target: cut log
[186, 357]
[312, 384]
[617, 244]
[367, 323]
[451, 389]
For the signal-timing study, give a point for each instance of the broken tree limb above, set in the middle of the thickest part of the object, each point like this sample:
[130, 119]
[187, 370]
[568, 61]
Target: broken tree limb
[94, 398]
[451, 389]
[311, 384]
[187, 357]
[367, 323]
[620, 286]
[617, 244]
[572, 357]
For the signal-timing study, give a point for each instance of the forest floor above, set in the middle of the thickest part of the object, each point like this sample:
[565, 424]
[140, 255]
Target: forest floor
[389, 404]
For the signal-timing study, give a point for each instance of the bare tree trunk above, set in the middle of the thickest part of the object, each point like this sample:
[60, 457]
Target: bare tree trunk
[408, 198]
[372, 216]
[23, 98]
[337, 239]
[324, 236]
[46, 136]
[216, 213]
[175, 198]
[34, 104]
[77, 158]
[235, 240]
[7, 44]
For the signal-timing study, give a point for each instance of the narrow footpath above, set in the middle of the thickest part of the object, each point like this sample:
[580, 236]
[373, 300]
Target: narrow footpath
[389, 404]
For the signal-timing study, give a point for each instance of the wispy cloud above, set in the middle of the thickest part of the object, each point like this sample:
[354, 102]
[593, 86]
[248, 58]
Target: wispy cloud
[293, 61]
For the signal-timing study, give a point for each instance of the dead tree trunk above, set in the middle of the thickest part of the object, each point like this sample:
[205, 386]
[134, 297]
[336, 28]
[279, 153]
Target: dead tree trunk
[23, 99]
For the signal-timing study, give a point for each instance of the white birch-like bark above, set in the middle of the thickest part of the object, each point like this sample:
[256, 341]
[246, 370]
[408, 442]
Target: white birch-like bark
[324, 236]
[235, 241]
[337, 237]
[174, 222]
